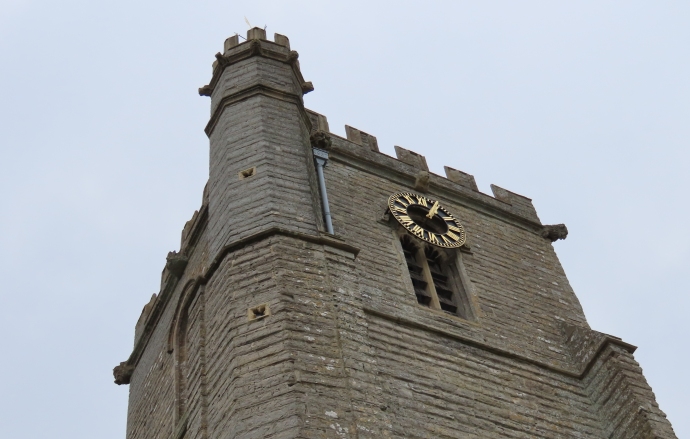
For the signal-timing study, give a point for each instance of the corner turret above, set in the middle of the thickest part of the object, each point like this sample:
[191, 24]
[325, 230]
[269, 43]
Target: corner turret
[258, 122]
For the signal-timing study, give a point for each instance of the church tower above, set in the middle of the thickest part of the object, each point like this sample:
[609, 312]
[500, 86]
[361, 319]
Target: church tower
[327, 290]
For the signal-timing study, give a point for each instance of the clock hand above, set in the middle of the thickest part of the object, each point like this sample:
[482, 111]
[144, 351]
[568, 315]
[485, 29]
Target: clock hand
[433, 210]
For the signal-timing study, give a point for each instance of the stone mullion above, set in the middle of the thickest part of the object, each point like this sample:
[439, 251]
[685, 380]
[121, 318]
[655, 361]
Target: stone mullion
[426, 273]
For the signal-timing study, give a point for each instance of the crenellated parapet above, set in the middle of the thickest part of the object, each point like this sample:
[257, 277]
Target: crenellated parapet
[255, 44]
[364, 147]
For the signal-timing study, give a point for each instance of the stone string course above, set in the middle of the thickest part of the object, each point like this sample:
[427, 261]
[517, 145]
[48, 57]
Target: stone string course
[346, 351]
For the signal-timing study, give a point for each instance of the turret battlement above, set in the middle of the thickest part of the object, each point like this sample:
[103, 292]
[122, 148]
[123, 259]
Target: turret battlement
[255, 44]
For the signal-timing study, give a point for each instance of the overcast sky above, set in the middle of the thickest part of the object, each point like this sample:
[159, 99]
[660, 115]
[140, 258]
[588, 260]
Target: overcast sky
[582, 106]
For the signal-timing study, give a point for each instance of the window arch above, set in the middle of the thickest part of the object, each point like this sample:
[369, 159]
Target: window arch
[435, 277]
[187, 344]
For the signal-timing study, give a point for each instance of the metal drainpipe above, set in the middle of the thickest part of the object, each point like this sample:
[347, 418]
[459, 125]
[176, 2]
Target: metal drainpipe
[321, 158]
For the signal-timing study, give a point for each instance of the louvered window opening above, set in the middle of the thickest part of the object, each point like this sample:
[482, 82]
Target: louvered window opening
[417, 276]
[428, 266]
[443, 290]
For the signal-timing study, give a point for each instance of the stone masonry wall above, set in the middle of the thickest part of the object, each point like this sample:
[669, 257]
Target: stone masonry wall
[279, 194]
[153, 398]
[511, 371]
[268, 327]
[524, 294]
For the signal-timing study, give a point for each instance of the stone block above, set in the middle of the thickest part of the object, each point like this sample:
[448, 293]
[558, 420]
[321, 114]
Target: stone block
[361, 138]
[411, 158]
[461, 178]
[256, 33]
[521, 204]
[319, 122]
[230, 43]
[282, 40]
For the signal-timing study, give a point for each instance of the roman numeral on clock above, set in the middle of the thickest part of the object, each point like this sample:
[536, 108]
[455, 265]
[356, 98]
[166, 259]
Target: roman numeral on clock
[405, 220]
[417, 230]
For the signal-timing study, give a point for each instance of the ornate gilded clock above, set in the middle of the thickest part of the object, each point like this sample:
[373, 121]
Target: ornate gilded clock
[427, 219]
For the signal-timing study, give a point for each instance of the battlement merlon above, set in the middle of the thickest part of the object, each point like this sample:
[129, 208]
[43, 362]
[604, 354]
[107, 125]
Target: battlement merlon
[360, 137]
[520, 203]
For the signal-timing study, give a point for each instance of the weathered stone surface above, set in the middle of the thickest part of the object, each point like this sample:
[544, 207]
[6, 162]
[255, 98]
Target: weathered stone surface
[143, 318]
[555, 232]
[461, 178]
[519, 203]
[346, 351]
[319, 122]
[176, 263]
[122, 373]
[320, 139]
[230, 43]
[411, 158]
[421, 182]
[361, 138]
[256, 33]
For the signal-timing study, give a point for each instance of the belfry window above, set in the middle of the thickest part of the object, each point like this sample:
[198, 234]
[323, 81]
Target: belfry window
[434, 278]
[421, 286]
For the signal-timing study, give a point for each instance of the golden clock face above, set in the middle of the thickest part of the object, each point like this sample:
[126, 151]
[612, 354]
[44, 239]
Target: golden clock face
[427, 219]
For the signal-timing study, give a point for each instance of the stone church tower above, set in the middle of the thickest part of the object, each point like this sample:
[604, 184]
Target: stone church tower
[327, 290]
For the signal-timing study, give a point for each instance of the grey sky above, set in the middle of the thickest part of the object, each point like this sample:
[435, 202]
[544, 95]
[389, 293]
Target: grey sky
[582, 106]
